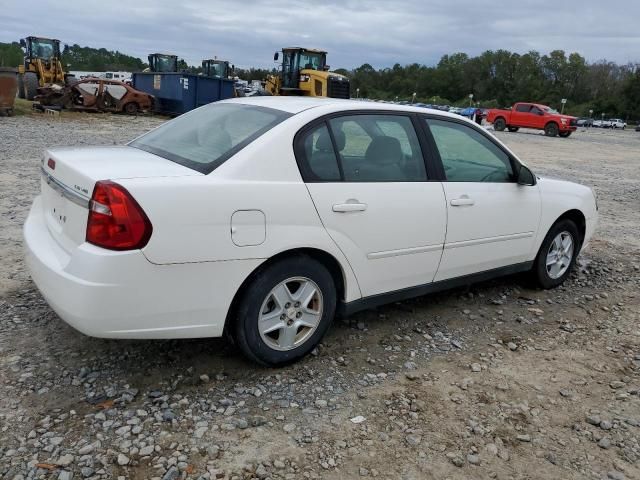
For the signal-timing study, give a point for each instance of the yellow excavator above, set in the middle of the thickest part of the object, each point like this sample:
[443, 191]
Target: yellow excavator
[41, 67]
[305, 72]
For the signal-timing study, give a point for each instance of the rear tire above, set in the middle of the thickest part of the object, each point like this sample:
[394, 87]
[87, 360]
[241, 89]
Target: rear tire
[30, 85]
[551, 129]
[499, 124]
[131, 108]
[564, 134]
[557, 255]
[514, 129]
[266, 322]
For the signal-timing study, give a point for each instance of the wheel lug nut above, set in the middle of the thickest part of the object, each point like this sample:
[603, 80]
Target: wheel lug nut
[297, 304]
[283, 316]
[298, 315]
[287, 305]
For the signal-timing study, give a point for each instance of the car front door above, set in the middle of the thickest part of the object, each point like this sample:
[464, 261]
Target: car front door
[367, 176]
[492, 219]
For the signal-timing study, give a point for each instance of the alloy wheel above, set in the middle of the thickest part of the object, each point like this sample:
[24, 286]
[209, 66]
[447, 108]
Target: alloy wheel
[559, 255]
[290, 313]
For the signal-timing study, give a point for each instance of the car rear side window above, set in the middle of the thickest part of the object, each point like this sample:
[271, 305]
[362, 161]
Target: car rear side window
[468, 156]
[206, 137]
[367, 147]
[321, 163]
[378, 148]
[523, 107]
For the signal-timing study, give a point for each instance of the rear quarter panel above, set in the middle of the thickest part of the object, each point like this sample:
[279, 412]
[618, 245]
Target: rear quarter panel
[497, 112]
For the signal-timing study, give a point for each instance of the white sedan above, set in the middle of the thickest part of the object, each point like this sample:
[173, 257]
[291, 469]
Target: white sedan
[266, 216]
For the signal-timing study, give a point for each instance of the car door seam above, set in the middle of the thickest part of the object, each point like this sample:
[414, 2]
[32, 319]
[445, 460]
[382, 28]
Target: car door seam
[332, 239]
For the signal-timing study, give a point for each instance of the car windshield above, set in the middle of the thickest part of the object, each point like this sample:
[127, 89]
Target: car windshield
[550, 110]
[206, 137]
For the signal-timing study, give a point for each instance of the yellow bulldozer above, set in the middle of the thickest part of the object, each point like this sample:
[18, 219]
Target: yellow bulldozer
[41, 67]
[305, 72]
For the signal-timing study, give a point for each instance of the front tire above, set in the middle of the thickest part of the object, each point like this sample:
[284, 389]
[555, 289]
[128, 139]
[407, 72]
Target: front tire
[557, 255]
[551, 129]
[30, 85]
[21, 86]
[564, 134]
[514, 129]
[285, 311]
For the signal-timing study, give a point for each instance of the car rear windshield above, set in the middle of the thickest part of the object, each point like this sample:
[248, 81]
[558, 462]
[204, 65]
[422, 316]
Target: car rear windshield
[206, 137]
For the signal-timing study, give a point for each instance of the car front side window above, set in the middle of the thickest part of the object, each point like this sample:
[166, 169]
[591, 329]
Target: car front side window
[468, 156]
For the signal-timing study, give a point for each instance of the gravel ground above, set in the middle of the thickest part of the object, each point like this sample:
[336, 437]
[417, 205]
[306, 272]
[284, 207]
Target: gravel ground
[496, 381]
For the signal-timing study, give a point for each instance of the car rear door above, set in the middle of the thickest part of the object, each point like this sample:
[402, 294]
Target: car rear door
[492, 220]
[367, 176]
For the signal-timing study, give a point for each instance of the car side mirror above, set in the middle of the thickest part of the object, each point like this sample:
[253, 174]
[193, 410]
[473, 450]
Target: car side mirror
[276, 56]
[525, 176]
[23, 43]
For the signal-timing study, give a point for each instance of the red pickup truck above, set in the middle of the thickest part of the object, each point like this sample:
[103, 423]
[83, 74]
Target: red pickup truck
[532, 115]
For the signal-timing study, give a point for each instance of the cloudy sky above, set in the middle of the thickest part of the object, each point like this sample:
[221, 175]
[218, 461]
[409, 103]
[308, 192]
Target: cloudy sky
[379, 32]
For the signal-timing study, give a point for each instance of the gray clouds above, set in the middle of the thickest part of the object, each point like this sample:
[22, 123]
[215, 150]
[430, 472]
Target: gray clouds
[353, 31]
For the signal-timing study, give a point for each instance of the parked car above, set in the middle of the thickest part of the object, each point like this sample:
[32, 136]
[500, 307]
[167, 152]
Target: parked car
[618, 123]
[532, 115]
[456, 110]
[602, 123]
[638, 127]
[265, 216]
[97, 94]
[584, 122]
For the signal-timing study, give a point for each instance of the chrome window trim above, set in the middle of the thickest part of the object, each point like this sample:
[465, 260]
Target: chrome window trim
[64, 190]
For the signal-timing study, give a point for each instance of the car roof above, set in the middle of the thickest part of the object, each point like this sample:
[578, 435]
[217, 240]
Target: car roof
[299, 104]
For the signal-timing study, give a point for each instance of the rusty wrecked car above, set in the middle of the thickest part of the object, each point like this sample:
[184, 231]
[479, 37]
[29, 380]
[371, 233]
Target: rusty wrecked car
[96, 94]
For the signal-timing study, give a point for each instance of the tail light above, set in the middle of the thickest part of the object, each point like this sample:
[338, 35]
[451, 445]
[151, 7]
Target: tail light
[116, 221]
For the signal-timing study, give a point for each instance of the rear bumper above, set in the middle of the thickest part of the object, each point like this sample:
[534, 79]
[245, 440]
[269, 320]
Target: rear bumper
[122, 295]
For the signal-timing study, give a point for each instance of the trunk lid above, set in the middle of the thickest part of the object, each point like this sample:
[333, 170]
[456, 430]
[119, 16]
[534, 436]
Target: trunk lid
[68, 176]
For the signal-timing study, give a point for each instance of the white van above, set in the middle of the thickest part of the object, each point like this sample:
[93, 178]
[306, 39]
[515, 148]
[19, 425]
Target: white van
[119, 76]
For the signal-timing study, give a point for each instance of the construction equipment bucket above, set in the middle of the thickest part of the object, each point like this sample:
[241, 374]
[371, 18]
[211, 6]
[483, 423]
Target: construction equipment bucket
[8, 90]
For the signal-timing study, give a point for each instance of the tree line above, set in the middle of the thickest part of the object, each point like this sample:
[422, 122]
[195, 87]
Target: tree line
[500, 78]
[79, 58]
[494, 78]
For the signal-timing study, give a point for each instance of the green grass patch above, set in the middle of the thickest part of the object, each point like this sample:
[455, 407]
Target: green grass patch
[22, 107]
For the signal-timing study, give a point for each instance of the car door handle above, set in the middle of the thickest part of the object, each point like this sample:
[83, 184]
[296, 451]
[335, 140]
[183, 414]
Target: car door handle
[462, 201]
[350, 205]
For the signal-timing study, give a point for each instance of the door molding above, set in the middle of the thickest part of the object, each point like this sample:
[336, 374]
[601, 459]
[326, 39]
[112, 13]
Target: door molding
[404, 251]
[481, 241]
